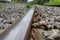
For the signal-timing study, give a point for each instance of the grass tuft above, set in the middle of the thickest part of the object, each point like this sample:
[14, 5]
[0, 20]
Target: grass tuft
[1, 7]
[53, 2]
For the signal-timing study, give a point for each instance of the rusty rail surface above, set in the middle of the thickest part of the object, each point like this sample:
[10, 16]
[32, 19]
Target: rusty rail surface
[21, 29]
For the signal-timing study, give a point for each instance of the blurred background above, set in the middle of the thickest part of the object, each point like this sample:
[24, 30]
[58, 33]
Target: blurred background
[29, 3]
[49, 2]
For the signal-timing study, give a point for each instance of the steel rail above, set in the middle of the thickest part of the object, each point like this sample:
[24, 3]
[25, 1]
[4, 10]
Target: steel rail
[21, 29]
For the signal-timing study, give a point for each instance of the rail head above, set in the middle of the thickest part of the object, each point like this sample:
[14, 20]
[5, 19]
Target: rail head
[25, 26]
[20, 31]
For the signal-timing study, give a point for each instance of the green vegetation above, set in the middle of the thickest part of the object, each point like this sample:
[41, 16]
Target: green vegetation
[4, 1]
[53, 2]
[40, 2]
[1, 7]
[18, 1]
[43, 2]
[29, 4]
[14, 3]
[34, 2]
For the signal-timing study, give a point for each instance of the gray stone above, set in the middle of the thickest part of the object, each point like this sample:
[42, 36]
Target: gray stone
[1, 19]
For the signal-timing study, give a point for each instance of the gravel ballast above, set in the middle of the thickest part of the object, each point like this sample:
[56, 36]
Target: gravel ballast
[46, 23]
[11, 14]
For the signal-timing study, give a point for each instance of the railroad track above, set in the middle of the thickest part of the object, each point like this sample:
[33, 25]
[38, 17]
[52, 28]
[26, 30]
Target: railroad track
[18, 32]
[34, 26]
[9, 16]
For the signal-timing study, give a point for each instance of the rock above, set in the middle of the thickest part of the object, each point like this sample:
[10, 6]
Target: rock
[1, 19]
[42, 22]
[50, 27]
[45, 34]
[7, 21]
[2, 27]
[31, 39]
[34, 34]
[35, 25]
[35, 20]
[38, 17]
[37, 33]
[46, 21]
[58, 38]
[57, 25]
[53, 34]
[40, 31]
[58, 19]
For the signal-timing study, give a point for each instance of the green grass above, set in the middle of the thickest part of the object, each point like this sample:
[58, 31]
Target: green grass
[53, 2]
[14, 3]
[1, 7]
[29, 4]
